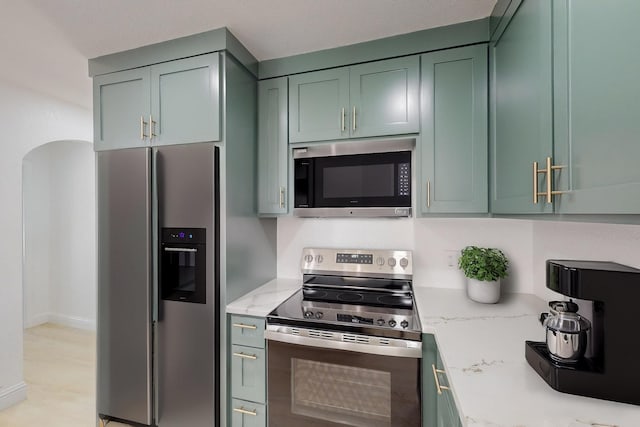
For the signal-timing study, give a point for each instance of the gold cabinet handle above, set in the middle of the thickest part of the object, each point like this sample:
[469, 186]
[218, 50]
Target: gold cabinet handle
[246, 356]
[282, 197]
[548, 171]
[428, 193]
[342, 129]
[142, 126]
[435, 375]
[152, 127]
[241, 410]
[354, 117]
[243, 326]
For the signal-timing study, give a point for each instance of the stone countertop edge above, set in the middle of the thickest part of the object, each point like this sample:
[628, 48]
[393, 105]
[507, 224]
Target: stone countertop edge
[483, 349]
[262, 300]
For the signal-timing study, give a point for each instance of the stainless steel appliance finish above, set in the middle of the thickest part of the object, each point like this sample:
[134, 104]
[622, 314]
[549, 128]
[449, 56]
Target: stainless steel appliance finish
[346, 348]
[124, 344]
[354, 147]
[354, 178]
[186, 331]
[566, 331]
[156, 356]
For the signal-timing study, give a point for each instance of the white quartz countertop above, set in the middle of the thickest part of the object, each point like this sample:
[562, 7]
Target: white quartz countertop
[482, 347]
[263, 300]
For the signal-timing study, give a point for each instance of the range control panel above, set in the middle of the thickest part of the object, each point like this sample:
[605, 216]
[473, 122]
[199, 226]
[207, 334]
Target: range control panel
[391, 263]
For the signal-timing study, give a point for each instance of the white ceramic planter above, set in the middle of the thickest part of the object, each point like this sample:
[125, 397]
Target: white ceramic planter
[485, 292]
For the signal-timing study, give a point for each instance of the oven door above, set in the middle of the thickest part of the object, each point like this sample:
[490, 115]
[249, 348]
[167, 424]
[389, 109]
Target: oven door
[327, 387]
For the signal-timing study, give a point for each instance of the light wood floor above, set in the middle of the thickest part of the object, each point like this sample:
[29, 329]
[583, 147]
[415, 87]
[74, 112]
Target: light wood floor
[59, 369]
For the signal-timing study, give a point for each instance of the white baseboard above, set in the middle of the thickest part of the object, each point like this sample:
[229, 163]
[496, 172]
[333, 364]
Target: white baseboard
[61, 319]
[73, 322]
[9, 396]
[39, 319]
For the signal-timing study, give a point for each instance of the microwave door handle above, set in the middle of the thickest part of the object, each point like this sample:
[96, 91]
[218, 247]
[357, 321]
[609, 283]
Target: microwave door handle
[181, 250]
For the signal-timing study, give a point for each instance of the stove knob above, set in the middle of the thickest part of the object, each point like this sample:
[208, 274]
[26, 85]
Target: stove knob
[380, 322]
[319, 259]
[391, 262]
[308, 258]
[319, 314]
[308, 314]
[404, 324]
[380, 260]
[392, 323]
[404, 262]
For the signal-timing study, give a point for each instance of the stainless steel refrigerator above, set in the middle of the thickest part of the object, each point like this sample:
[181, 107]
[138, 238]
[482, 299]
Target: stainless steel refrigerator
[158, 285]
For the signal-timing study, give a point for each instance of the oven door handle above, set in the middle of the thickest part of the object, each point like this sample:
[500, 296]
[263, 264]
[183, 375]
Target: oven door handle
[412, 349]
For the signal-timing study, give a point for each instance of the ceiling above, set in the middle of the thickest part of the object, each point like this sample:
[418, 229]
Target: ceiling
[85, 29]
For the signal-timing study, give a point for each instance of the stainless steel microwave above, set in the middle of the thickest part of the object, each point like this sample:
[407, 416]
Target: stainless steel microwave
[355, 178]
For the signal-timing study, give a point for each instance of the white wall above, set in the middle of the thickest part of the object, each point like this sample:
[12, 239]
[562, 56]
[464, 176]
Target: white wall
[582, 241]
[27, 119]
[433, 242]
[59, 225]
[36, 207]
[527, 244]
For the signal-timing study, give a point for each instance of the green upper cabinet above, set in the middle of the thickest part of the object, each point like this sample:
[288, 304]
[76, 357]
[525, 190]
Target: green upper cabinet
[174, 102]
[384, 97]
[318, 105]
[372, 99]
[454, 98]
[121, 109]
[272, 146]
[185, 100]
[597, 106]
[521, 122]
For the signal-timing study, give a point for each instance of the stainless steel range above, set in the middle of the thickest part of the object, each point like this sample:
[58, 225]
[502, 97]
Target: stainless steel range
[346, 348]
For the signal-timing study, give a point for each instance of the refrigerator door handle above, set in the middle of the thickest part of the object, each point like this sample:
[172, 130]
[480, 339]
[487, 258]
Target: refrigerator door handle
[181, 249]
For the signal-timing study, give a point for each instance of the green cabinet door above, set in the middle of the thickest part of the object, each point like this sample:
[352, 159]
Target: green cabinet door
[121, 109]
[248, 375]
[438, 405]
[597, 106]
[385, 97]
[454, 131]
[272, 147]
[318, 105]
[248, 414]
[521, 107]
[185, 100]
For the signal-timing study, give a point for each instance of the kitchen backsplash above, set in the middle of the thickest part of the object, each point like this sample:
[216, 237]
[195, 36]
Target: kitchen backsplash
[436, 243]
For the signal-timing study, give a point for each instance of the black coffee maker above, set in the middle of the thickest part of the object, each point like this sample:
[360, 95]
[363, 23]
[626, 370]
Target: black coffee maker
[611, 368]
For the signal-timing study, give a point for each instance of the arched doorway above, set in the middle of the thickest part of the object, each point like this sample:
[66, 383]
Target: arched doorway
[59, 262]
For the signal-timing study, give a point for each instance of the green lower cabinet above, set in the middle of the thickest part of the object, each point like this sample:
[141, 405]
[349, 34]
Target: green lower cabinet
[438, 405]
[248, 414]
[248, 375]
[454, 131]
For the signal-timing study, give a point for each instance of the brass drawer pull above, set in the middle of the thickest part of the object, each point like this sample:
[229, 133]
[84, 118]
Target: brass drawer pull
[342, 121]
[243, 326]
[435, 375]
[282, 197]
[428, 193]
[241, 410]
[246, 356]
[142, 126]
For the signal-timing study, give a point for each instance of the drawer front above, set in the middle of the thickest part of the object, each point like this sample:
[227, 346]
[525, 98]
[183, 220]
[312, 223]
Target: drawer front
[248, 376]
[242, 414]
[247, 331]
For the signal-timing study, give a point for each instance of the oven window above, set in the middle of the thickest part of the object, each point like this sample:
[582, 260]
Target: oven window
[342, 394]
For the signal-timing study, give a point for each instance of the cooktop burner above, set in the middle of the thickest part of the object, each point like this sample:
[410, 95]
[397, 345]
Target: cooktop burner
[365, 292]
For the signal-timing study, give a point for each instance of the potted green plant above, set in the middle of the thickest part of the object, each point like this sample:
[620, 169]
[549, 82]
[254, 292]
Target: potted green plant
[483, 267]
